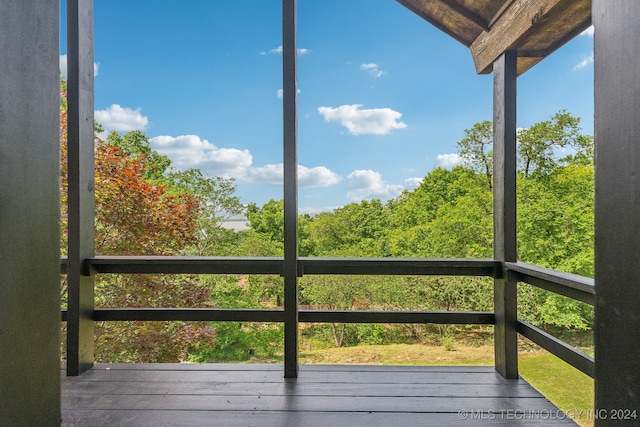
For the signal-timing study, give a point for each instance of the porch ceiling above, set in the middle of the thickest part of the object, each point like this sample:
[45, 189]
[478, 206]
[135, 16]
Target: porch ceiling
[535, 28]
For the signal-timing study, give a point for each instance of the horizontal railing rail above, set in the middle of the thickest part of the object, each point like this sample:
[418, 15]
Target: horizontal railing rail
[307, 316]
[559, 348]
[185, 314]
[362, 316]
[400, 266]
[306, 265]
[570, 285]
[185, 265]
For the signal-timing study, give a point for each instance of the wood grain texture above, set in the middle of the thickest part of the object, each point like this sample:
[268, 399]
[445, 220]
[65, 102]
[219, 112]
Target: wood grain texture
[617, 197]
[29, 212]
[81, 199]
[230, 395]
[570, 285]
[535, 28]
[531, 26]
[505, 301]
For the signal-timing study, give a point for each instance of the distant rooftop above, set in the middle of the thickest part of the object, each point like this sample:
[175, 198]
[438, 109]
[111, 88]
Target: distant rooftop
[236, 223]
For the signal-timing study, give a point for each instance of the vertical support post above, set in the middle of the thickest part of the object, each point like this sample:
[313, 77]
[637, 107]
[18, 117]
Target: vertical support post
[290, 120]
[617, 210]
[81, 184]
[504, 211]
[29, 213]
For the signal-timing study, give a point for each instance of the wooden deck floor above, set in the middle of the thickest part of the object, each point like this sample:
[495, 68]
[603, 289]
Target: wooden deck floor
[258, 395]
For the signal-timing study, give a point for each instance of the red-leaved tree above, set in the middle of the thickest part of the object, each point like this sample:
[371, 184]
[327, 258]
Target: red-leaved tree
[135, 216]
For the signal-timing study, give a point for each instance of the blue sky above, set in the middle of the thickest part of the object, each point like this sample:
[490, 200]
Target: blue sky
[384, 96]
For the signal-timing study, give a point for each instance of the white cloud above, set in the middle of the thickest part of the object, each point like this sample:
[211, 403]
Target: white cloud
[280, 93]
[584, 63]
[121, 119]
[190, 151]
[448, 160]
[315, 210]
[411, 183]
[63, 66]
[316, 177]
[368, 184]
[372, 69]
[278, 51]
[376, 121]
[588, 32]
[268, 174]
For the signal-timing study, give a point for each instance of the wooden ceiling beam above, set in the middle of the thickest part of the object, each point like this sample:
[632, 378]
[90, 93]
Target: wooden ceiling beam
[523, 19]
[449, 17]
[499, 13]
[467, 13]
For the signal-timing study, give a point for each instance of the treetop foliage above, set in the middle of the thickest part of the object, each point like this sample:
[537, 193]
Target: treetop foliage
[450, 215]
[144, 206]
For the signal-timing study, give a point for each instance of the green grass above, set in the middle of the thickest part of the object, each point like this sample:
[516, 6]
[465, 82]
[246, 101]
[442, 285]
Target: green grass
[566, 387]
[400, 354]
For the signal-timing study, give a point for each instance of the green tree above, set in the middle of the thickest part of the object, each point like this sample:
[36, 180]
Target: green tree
[449, 214]
[539, 144]
[217, 203]
[142, 209]
[476, 149]
[555, 230]
[270, 289]
[136, 146]
[269, 219]
[555, 220]
[216, 195]
[135, 216]
[356, 229]
[335, 292]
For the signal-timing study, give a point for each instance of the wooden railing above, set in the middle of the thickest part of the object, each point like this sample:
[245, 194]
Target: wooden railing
[569, 285]
[274, 265]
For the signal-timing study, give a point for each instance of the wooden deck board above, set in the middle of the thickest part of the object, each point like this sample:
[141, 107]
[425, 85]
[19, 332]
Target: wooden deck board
[286, 419]
[211, 388]
[245, 395]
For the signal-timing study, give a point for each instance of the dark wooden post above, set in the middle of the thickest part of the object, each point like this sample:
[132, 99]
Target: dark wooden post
[29, 213]
[290, 273]
[617, 211]
[504, 211]
[81, 183]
